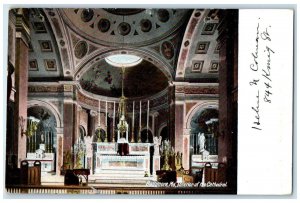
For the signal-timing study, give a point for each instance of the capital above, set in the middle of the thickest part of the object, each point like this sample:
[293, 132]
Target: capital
[93, 113]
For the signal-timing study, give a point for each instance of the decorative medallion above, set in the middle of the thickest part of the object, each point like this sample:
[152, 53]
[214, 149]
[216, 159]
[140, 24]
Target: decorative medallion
[146, 25]
[124, 28]
[50, 64]
[62, 43]
[33, 65]
[163, 15]
[197, 14]
[87, 15]
[197, 66]
[167, 49]
[186, 43]
[103, 25]
[202, 47]
[80, 49]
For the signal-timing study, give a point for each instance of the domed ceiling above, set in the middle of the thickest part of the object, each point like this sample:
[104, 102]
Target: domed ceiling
[104, 79]
[114, 27]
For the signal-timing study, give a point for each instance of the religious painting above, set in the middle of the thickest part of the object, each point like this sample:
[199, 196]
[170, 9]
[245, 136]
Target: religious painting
[45, 45]
[80, 49]
[167, 50]
[50, 64]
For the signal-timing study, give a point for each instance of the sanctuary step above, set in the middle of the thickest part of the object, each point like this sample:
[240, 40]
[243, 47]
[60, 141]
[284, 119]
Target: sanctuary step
[119, 179]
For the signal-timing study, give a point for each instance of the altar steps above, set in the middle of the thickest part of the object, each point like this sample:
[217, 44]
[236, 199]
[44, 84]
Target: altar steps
[119, 179]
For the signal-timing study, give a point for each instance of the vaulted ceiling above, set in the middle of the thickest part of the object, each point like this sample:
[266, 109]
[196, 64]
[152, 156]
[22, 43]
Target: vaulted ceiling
[175, 44]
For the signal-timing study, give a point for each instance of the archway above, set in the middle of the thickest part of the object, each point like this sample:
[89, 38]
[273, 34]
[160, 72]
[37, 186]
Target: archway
[43, 142]
[199, 125]
[164, 133]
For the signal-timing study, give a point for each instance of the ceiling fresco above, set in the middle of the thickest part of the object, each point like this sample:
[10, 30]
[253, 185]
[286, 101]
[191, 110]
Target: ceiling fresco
[141, 80]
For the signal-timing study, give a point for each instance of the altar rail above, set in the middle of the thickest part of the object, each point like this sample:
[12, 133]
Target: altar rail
[112, 191]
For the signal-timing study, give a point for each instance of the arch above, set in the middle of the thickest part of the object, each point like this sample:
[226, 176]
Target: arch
[200, 106]
[50, 107]
[192, 36]
[145, 128]
[82, 132]
[161, 127]
[189, 36]
[147, 55]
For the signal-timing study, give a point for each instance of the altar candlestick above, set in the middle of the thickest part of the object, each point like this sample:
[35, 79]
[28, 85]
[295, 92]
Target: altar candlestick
[140, 115]
[99, 113]
[34, 141]
[140, 127]
[47, 146]
[133, 116]
[148, 115]
[147, 140]
[50, 142]
[132, 130]
[114, 114]
[105, 113]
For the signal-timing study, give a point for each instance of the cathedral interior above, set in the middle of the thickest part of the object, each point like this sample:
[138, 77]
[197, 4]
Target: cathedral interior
[121, 98]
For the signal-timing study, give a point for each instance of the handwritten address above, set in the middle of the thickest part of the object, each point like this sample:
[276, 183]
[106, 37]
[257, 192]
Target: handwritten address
[261, 66]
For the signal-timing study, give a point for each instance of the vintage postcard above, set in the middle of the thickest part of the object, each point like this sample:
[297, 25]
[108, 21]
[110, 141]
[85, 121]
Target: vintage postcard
[144, 101]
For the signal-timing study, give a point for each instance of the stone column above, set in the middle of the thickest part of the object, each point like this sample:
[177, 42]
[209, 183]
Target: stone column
[186, 149]
[171, 115]
[59, 150]
[21, 81]
[91, 122]
[179, 116]
[68, 130]
[91, 131]
[227, 140]
[228, 63]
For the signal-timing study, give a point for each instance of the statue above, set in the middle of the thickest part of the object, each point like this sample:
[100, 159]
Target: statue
[157, 143]
[42, 138]
[201, 142]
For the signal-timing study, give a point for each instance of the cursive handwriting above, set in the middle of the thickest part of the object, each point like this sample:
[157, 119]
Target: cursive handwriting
[257, 116]
[254, 66]
[261, 68]
[267, 75]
